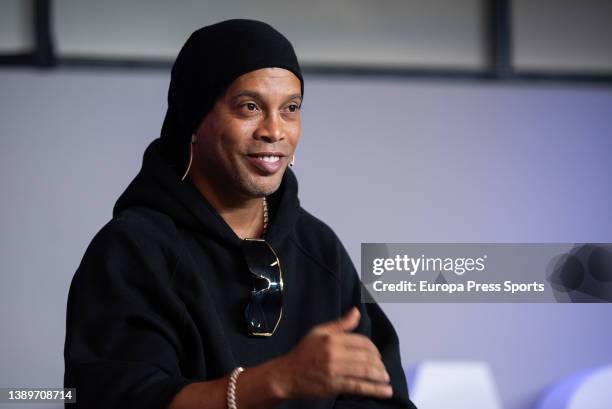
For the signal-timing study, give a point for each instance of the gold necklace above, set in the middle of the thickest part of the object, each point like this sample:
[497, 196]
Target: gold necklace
[265, 216]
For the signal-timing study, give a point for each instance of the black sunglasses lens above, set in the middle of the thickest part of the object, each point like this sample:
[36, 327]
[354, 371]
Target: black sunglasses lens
[264, 310]
[261, 260]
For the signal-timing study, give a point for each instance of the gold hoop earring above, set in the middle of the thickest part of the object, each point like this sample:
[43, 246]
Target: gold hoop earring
[190, 157]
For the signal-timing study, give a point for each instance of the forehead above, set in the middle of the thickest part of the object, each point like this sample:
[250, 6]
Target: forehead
[267, 80]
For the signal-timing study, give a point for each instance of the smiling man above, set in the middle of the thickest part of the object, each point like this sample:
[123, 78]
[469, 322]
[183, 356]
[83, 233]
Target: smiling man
[242, 147]
[211, 287]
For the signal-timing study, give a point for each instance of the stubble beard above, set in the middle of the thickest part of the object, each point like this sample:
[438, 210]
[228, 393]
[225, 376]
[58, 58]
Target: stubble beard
[242, 179]
[248, 183]
[259, 186]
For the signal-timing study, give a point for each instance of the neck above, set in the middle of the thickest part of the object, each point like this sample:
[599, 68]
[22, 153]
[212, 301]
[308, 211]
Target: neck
[243, 214]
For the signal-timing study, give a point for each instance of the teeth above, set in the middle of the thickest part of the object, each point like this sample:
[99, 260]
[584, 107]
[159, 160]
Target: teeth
[270, 158]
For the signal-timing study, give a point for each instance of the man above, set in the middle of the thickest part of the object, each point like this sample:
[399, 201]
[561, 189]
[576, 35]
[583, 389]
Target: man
[211, 287]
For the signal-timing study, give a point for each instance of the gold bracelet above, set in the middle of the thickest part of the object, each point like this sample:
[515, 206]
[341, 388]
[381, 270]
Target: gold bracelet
[231, 387]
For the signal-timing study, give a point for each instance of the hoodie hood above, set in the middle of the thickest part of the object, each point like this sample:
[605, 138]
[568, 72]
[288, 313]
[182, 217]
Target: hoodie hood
[157, 186]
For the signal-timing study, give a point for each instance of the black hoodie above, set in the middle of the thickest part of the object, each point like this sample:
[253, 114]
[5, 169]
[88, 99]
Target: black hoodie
[158, 299]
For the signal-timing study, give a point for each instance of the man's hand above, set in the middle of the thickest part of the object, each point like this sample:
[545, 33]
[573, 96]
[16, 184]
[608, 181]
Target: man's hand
[331, 360]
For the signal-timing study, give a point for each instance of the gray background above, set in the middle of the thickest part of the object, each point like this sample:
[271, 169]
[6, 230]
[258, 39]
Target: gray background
[380, 161]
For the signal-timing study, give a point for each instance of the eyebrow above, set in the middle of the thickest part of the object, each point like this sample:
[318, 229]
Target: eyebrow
[257, 95]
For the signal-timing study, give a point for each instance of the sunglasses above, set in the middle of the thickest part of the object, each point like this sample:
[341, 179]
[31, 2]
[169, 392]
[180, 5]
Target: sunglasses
[263, 313]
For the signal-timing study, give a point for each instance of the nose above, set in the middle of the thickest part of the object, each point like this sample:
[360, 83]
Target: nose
[270, 129]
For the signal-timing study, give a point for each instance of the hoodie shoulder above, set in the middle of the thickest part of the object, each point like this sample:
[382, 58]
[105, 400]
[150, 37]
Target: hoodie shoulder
[138, 234]
[146, 221]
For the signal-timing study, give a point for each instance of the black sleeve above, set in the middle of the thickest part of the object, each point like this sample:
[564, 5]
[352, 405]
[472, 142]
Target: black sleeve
[375, 325]
[123, 323]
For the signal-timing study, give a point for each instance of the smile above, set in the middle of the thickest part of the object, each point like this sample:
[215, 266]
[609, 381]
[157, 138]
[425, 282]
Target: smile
[269, 158]
[267, 163]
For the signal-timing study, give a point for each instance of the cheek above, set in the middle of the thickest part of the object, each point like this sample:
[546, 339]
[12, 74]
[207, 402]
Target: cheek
[212, 150]
[228, 139]
[230, 145]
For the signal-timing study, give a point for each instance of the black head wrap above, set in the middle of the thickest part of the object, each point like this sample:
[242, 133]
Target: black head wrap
[211, 59]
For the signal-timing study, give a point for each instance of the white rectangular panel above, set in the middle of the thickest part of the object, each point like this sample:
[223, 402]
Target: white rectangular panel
[563, 35]
[379, 33]
[16, 31]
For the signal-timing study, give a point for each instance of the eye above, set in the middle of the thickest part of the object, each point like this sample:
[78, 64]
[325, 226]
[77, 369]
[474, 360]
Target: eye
[293, 108]
[248, 108]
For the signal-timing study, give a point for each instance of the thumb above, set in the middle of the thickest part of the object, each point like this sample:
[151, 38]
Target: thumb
[347, 322]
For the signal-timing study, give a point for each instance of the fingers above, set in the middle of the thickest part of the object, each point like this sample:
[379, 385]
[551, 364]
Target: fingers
[355, 355]
[361, 364]
[347, 322]
[357, 342]
[350, 385]
[344, 362]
